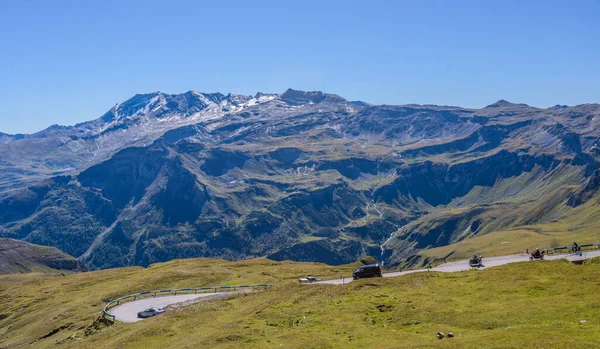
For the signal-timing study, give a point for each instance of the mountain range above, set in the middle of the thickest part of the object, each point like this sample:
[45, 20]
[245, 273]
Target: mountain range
[305, 176]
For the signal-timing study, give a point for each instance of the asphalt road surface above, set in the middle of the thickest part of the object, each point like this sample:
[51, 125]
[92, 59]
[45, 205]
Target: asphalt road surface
[127, 312]
[464, 265]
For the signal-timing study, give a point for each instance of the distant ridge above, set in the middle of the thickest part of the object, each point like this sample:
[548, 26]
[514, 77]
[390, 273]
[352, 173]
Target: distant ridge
[20, 257]
[504, 103]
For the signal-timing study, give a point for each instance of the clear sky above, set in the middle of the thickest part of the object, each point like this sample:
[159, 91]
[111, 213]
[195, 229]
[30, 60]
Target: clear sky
[63, 62]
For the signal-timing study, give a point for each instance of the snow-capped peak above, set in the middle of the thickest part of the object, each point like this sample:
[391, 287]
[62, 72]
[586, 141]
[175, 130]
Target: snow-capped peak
[264, 97]
[141, 104]
[234, 103]
[155, 111]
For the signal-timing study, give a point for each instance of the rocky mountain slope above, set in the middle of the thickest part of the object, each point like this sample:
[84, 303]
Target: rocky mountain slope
[138, 121]
[302, 175]
[21, 257]
[5, 138]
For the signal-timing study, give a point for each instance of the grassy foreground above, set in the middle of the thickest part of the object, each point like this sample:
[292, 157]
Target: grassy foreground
[40, 310]
[493, 308]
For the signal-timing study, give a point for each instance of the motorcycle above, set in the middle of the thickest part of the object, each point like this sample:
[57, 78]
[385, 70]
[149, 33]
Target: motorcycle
[475, 263]
[537, 256]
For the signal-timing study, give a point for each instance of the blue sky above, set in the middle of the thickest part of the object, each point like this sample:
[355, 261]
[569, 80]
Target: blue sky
[63, 62]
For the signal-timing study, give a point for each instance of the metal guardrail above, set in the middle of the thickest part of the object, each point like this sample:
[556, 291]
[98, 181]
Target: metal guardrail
[215, 289]
[554, 249]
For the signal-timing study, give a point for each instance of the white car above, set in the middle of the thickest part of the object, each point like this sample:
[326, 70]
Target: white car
[150, 312]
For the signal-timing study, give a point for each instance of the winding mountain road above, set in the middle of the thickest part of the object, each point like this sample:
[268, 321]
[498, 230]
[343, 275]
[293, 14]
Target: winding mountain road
[464, 265]
[127, 312]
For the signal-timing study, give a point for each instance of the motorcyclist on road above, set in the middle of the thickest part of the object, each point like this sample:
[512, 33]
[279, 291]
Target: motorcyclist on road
[475, 259]
[537, 253]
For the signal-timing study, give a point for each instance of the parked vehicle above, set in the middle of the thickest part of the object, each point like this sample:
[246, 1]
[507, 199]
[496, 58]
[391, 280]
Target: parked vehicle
[150, 312]
[309, 279]
[367, 271]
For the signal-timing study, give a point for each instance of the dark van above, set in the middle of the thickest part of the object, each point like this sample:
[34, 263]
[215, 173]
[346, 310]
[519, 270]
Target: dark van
[367, 271]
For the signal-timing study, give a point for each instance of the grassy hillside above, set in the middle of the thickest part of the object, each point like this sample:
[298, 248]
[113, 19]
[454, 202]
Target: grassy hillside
[582, 224]
[492, 307]
[21, 257]
[35, 305]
